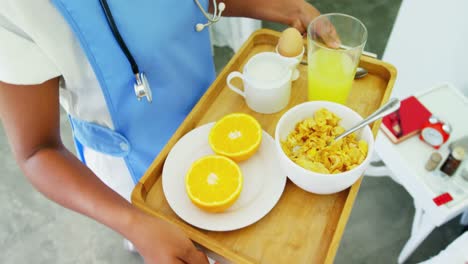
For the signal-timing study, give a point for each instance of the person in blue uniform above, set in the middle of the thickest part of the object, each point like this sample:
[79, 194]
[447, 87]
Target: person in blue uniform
[127, 74]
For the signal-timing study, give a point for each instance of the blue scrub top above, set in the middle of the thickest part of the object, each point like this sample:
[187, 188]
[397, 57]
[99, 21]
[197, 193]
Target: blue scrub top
[177, 60]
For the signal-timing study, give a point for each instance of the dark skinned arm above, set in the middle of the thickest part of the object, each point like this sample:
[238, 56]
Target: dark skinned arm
[30, 116]
[294, 13]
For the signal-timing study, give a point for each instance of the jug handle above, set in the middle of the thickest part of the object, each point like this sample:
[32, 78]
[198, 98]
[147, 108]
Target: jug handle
[231, 76]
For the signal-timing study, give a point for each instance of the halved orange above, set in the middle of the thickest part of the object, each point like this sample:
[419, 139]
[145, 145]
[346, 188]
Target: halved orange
[213, 183]
[236, 136]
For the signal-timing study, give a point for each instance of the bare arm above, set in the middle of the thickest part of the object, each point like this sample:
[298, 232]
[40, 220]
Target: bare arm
[295, 13]
[30, 115]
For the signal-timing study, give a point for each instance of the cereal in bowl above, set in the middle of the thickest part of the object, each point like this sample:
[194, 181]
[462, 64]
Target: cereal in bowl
[308, 145]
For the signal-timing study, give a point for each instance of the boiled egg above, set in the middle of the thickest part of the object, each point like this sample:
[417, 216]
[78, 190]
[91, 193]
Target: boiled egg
[290, 43]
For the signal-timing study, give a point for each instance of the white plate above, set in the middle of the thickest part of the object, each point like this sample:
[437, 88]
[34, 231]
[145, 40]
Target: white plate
[264, 183]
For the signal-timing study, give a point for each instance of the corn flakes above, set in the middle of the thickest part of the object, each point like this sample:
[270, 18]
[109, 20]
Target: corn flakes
[308, 145]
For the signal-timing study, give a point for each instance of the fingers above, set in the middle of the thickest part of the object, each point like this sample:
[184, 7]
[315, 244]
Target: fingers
[324, 31]
[332, 39]
[194, 256]
[299, 26]
[327, 32]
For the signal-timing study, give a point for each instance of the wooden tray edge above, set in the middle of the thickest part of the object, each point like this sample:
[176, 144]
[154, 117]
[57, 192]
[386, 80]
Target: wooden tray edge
[141, 189]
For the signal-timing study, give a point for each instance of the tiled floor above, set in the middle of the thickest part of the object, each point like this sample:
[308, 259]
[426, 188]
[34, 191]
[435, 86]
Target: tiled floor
[34, 230]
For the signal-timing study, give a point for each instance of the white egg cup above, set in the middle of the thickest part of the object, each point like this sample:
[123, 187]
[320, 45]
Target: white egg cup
[297, 59]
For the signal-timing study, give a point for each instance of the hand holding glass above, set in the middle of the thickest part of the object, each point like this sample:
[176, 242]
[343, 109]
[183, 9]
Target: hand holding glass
[331, 70]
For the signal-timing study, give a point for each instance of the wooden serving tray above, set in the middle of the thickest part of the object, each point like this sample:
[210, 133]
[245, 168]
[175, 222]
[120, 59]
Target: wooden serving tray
[302, 227]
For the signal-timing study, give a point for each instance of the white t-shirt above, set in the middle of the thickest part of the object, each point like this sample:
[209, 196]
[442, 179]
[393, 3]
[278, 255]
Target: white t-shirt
[36, 44]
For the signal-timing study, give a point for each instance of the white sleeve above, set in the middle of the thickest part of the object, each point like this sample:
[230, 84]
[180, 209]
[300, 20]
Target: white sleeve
[22, 61]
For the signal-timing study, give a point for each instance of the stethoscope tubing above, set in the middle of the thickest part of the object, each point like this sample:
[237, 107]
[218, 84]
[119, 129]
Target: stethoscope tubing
[214, 18]
[118, 37]
[142, 87]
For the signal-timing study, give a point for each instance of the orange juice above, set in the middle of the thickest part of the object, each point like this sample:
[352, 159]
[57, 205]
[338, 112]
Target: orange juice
[331, 75]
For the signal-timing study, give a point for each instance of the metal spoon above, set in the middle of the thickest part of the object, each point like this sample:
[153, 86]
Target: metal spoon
[390, 107]
[360, 72]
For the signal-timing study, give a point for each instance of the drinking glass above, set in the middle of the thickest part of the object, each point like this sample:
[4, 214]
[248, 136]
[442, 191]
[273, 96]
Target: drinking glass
[335, 43]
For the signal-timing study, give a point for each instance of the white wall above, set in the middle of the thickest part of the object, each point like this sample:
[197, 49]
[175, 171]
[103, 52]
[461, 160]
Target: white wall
[429, 45]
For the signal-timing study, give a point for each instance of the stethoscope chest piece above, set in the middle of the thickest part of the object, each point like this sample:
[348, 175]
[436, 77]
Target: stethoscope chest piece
[142, 87]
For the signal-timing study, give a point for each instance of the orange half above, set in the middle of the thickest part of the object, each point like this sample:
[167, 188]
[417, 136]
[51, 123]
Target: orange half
[236, 136]
[213, 183]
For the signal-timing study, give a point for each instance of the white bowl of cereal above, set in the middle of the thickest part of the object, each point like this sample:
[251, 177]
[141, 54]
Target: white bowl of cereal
[302, 139]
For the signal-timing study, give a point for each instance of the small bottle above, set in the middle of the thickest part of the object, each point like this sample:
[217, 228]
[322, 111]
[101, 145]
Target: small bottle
[433, 161]
[453, 161]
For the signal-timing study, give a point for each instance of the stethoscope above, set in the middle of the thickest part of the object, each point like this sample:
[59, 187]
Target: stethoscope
[141, 86]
